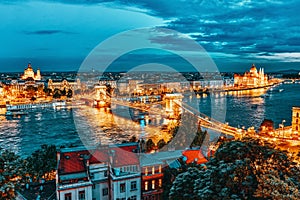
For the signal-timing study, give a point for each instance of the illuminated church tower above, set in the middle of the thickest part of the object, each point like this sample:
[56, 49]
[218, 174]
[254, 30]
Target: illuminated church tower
[38, 75]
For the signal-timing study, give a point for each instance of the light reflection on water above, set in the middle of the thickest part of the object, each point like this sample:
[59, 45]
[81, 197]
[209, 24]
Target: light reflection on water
[48, 126]
[99, 126]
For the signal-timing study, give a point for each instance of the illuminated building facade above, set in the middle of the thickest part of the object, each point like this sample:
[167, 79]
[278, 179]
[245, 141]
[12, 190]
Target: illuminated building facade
[107, 173]
[29, 73]
[296, 119]
[17, 88]
[253, 78]
[114, 172]
[64, 84]
[152, 177]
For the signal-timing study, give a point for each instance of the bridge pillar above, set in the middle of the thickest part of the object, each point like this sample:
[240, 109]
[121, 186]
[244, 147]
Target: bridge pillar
[173, 103]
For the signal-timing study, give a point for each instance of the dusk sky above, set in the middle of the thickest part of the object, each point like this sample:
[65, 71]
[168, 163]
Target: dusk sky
[58, 35]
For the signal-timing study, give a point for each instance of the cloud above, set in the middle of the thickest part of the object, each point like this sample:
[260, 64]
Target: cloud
[281, 57]
[236, 27]
[239, 29]
[47, 32]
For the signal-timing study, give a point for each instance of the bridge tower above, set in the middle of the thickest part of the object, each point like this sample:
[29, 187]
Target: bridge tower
[173, 103]
[101, 98]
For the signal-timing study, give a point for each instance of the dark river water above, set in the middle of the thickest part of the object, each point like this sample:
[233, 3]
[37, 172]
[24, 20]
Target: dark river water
[25, 134]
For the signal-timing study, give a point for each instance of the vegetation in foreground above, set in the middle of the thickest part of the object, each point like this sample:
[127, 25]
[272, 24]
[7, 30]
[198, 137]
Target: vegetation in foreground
[241, 169]
[16, 173]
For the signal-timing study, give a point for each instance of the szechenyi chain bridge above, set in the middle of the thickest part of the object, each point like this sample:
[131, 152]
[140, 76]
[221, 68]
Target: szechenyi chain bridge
[171, 107]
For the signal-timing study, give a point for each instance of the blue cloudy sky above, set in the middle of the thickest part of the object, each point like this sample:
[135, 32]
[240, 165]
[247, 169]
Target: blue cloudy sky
[58, 34]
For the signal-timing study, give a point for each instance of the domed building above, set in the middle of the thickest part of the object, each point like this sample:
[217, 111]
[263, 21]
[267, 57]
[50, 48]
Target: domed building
[253, 78]
[29, 74]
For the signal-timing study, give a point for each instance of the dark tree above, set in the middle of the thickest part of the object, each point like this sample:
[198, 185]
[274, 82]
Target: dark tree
[10, 169]
[32, 99]
[63, 92]
[70, 93]
[133, 139]
[149, 145]
[161, 143]
[246, 169]
[57, 94]
[41, 162]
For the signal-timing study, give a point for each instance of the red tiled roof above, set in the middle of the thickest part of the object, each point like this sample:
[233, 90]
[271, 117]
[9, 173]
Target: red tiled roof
[191, 155]
[71, 162]
[124, 157]
[99, 156]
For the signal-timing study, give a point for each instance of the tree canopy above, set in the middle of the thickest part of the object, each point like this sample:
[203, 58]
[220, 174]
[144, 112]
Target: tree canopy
[245, 169]
[15, 170]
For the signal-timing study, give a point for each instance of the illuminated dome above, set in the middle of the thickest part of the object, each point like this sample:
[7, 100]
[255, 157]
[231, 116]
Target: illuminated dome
[29, 73]
[253, 69]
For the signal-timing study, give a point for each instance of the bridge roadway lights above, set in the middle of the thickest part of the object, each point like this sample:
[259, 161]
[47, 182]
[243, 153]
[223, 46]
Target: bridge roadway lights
[101, 104]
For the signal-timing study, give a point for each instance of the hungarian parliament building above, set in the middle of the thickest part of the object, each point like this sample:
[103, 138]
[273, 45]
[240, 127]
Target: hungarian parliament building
[253, 78]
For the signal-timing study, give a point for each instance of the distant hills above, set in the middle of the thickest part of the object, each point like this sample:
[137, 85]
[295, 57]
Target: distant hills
[289, 71]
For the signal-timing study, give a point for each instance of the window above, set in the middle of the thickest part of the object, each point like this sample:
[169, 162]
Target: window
[146, 185]
[153, 184]
[146, 171]
[297, 115]
[68, 196]
[81, 195]
[153, 170]
[133, 197]
[159, 169]
[122, 187]
[104, 191]
[160, 182]
[133, 185]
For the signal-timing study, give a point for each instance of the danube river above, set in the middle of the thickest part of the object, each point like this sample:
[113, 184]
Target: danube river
[25, 134]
